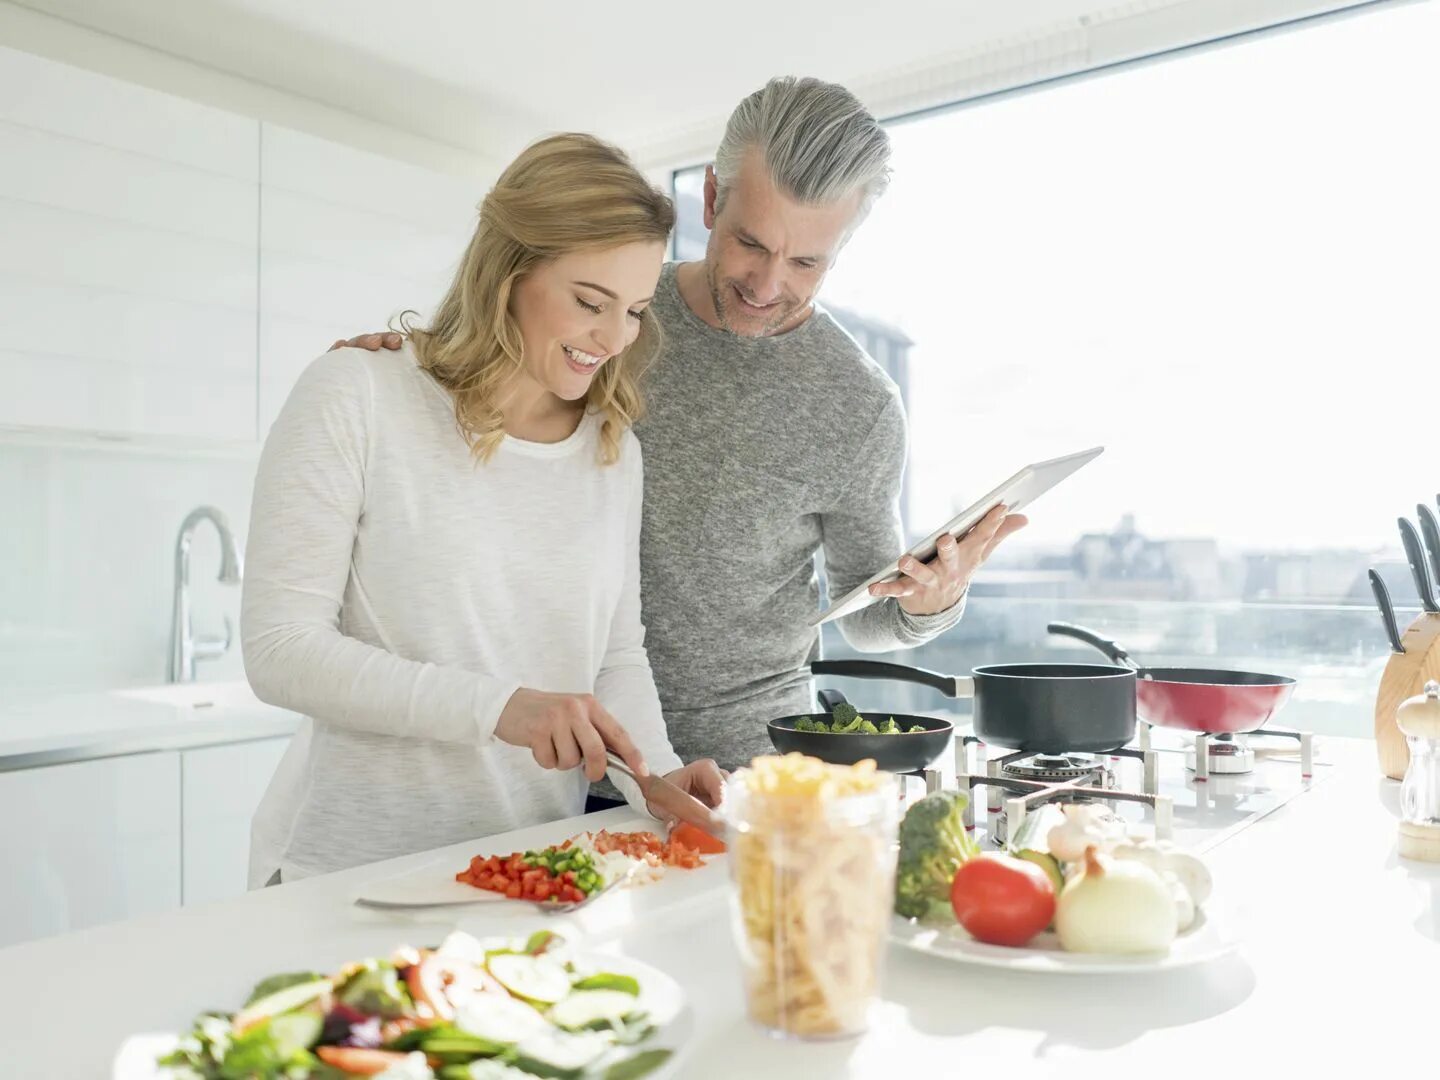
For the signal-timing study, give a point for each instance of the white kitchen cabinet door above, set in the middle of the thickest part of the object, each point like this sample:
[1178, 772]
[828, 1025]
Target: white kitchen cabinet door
[128, 283]
[222, 786]
[347, 241]
[88, 843]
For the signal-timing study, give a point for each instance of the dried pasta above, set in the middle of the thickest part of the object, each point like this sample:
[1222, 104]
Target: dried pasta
[814, 863]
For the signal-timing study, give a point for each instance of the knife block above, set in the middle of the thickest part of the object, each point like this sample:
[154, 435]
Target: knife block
[1405, 676]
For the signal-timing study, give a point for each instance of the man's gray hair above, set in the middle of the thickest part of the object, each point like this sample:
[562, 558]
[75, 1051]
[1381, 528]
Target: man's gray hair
[818, 142]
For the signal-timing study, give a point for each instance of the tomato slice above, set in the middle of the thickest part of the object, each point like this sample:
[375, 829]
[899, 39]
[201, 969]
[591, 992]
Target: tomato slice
[696, 838]
[359, 1061]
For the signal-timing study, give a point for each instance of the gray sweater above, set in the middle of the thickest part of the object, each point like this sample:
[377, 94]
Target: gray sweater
[759, 453]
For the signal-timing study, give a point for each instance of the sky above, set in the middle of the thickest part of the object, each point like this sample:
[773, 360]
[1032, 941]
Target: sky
[1224, 267]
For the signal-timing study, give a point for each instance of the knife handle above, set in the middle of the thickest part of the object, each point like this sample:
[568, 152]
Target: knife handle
[1419, 569]
[1387, 611]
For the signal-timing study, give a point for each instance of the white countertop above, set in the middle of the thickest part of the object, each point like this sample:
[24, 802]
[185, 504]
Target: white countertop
[1340, 966]
[82, 727]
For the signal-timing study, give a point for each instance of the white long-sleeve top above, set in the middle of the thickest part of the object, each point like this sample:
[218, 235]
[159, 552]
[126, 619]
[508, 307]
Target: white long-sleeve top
[397, 593]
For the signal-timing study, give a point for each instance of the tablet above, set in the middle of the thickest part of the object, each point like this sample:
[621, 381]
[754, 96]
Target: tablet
[1019, 491]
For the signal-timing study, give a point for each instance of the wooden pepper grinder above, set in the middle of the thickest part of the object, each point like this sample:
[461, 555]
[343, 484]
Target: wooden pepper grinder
[1419, 720]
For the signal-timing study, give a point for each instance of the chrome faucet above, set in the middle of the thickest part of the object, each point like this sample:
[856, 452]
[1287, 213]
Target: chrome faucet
[185, 648]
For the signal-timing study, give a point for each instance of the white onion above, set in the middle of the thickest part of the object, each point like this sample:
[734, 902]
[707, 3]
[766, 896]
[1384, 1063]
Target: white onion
[1116, 907]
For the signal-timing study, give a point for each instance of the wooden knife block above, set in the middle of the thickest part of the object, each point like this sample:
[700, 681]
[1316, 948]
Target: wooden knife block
[1405, 676]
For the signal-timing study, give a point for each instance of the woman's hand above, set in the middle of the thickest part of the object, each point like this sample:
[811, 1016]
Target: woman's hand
[562, 730]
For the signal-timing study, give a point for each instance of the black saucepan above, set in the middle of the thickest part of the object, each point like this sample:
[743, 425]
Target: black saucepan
[1039, 708]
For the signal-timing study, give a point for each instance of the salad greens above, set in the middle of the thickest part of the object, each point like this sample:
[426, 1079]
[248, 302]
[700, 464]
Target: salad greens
[468, 1010]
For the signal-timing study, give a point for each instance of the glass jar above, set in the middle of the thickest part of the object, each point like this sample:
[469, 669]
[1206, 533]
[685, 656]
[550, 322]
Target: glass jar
[813, 873]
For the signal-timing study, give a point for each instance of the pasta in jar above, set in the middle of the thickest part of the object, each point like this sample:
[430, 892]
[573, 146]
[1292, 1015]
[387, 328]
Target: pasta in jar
[813, 861]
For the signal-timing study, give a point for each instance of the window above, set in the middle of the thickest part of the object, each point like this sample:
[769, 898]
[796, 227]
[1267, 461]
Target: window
[1224, 266]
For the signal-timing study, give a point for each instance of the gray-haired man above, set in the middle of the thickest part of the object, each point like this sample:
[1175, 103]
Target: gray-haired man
[771, 436]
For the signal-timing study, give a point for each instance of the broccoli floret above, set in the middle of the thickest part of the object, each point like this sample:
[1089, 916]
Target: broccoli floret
[804, 724]
[915, 728]
[889, 727]
[845, 719]
[933, 844]
[867, 727]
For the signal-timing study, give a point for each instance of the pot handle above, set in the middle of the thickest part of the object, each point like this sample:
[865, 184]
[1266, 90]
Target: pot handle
[948, 685]
[1113, 649]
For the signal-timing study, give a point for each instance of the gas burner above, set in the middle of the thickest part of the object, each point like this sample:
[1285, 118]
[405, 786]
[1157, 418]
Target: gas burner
[1224, 756]
[1020, 782]
[1055, 767]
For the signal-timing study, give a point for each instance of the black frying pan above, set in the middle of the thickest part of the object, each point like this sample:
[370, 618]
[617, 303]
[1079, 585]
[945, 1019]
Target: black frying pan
[901, 753]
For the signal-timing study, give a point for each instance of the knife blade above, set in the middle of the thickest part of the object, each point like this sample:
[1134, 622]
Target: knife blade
[1419, 569]
[1387, 611]
[672, 800]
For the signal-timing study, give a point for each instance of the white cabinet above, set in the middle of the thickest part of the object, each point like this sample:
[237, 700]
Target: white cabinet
[128, 284]
[221, 787]
[88, 843]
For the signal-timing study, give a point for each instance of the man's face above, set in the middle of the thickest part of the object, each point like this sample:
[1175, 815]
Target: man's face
[768, 254]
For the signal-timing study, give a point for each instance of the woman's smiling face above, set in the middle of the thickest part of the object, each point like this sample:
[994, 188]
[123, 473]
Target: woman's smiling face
[579, 311]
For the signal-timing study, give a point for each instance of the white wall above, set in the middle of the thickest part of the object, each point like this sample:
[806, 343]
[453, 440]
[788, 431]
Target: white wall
[168, 270]
[78, 46]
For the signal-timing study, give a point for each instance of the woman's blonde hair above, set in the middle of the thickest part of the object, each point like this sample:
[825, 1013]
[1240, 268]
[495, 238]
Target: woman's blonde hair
[566, 193]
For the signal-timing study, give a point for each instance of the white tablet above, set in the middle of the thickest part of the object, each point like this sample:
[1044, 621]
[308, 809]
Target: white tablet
[1019, 491]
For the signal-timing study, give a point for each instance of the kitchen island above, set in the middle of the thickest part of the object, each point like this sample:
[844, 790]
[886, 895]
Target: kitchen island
[1339, 965]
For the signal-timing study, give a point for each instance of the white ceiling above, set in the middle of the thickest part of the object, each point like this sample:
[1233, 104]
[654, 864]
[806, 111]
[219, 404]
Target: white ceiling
[489, 76]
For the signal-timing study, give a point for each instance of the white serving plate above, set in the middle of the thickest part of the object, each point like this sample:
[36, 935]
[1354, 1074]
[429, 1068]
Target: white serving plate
[1212, 936]
[660, 996]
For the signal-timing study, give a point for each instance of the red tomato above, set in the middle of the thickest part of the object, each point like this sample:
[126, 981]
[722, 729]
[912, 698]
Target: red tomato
[1001, 899]
[357, 1061]
[696, 838]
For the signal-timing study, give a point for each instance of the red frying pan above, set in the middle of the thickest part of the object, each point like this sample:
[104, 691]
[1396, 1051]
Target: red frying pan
[1194, 699]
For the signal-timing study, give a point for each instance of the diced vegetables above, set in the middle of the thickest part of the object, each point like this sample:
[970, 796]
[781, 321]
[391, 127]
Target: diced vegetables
[290, 997]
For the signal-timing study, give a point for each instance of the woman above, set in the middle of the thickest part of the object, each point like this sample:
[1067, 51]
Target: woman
[444, 554]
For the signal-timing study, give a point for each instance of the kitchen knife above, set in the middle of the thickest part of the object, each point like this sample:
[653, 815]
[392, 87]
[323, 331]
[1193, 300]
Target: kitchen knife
[671, 800]
[1430, 533]
[1419, 569]
[1387, 611]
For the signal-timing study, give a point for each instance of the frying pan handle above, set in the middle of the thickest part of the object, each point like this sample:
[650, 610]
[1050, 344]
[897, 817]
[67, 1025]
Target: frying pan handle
[1113, 649]
[829, 699]
[879, 669]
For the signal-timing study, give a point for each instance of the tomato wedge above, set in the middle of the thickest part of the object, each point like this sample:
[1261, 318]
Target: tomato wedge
[358, 1061]
[692, 836]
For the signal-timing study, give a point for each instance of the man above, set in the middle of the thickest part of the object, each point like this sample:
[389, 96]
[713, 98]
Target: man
[770, 436]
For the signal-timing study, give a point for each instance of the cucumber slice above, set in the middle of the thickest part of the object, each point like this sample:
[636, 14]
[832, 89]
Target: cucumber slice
[499, 1019]
[608, 980]
[282, 1001]
[534, 978]
[590, 1008]
[561, 1053]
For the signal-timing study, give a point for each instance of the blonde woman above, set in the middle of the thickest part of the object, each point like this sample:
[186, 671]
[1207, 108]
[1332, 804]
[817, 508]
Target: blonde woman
[443, 557]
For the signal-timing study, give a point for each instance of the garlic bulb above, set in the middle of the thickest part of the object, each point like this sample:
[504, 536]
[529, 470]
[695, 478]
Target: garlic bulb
[1085, 825]
[1116, 906]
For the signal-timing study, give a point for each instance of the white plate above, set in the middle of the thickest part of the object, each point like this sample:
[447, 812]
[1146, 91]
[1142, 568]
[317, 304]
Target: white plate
[660, 996]
[431, 885]
[1210, 938]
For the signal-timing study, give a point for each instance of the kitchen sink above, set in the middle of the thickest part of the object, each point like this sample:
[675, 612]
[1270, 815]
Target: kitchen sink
[196, 695]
